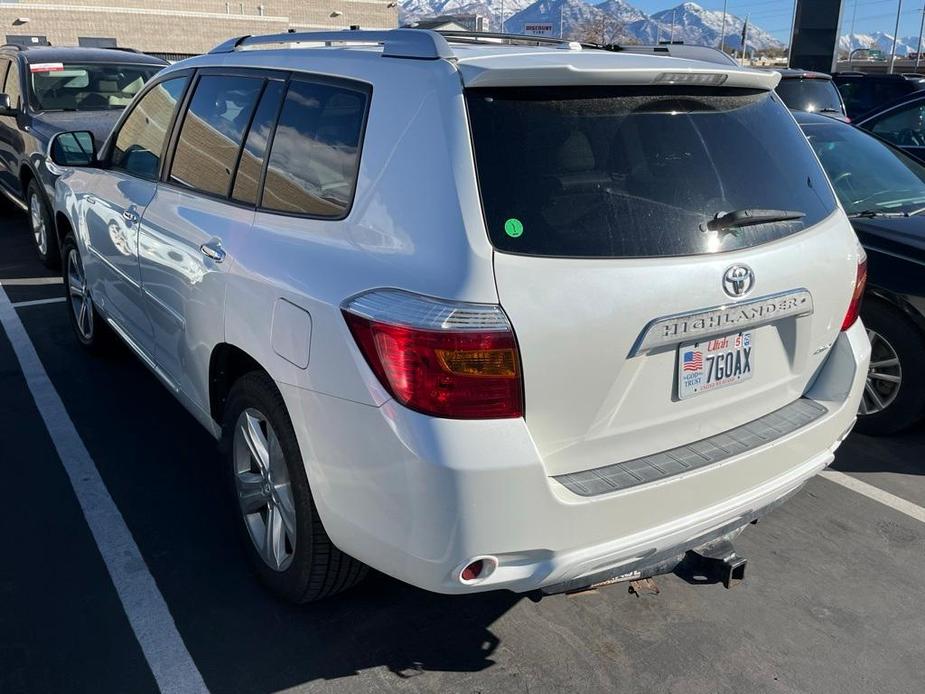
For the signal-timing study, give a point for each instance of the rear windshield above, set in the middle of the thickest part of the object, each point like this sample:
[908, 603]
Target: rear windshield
[638, 172]
[813, 95]
[86, 87]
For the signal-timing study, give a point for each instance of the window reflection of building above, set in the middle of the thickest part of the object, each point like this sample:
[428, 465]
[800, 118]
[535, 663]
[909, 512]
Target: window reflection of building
[212, 132]
[146, 128]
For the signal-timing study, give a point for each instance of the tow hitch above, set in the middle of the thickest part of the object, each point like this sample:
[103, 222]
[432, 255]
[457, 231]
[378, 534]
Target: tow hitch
[718, 561]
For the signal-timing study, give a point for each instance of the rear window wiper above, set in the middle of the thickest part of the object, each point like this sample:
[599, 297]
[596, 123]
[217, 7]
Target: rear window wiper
[751, 217]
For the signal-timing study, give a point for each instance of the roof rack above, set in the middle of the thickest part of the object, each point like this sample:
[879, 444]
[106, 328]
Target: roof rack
[118, 48]
[494, 37]
[396, 43]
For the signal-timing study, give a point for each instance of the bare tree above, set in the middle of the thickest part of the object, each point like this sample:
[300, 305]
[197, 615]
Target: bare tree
[602, 29]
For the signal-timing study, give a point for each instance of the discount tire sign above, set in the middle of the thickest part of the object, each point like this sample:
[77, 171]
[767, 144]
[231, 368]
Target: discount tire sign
[538, 29]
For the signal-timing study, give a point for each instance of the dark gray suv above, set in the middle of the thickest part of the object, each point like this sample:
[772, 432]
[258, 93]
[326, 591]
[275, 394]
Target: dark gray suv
[45, 90]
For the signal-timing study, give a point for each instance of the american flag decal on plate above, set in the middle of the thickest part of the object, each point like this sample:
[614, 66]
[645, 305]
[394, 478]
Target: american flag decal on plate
[693, 360]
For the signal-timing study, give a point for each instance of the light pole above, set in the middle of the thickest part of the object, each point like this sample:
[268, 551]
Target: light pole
[722, 33]
[671, 37]
[744, 38]
[918, 51]
[899, 9]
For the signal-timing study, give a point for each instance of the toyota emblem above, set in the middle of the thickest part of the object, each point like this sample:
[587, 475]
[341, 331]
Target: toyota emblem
[738, 280]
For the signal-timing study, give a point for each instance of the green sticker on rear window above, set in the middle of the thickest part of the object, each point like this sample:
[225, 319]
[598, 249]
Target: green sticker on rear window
[513, 228]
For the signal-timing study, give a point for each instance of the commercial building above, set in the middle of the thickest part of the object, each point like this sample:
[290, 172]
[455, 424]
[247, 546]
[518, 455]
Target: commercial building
[177, 28]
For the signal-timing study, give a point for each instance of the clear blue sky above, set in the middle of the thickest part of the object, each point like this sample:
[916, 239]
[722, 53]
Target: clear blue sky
[775, 16]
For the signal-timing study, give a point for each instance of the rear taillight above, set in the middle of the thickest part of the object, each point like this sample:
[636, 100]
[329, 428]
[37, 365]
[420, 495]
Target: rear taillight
[442, 358]
[860, 282]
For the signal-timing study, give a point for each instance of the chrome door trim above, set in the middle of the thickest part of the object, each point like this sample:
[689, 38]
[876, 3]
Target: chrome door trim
[148, 361]
[13, 199]
[107, 263]
[164, 307]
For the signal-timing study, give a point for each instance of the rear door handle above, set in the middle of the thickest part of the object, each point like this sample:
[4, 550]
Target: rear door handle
[213, 250]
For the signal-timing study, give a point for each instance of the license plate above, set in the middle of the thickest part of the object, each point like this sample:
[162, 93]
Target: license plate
[717, 363]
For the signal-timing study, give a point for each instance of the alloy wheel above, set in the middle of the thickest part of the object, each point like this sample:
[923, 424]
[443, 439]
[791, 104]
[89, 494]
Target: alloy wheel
[78, 295]
[37, 219]
[884, 377]
[264, 489]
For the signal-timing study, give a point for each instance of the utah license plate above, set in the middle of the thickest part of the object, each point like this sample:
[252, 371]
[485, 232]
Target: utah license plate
[717, 363]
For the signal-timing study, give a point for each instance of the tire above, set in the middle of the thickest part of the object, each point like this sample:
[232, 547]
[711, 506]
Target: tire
[90, 329]
[42, 226]
[893, 335]
[272, 491]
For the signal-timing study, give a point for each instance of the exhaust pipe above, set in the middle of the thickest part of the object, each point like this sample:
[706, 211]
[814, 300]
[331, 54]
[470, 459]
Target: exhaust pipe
[718, 561]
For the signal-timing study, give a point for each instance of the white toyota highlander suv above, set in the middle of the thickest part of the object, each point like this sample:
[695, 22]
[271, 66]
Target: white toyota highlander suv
[478, 313]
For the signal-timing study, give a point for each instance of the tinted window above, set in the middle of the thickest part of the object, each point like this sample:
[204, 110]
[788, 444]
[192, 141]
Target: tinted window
[814, 95]
[140, 141]
[634, 172]
[862, 95]
[868, 175]
[86, 87]
[904, 126]
[13, 86]
[4, 68]
[247, 179]
[315, 153]
[212, 132]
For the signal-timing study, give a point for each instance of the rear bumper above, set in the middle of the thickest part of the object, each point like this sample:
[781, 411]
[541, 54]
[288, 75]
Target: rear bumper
[418, 498]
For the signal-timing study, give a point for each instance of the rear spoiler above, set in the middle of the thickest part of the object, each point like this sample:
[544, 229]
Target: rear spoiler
[554, 75]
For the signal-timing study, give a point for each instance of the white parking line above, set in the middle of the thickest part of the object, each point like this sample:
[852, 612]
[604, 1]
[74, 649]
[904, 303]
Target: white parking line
[875, 493]
[38, 302]
[147, 612]
[32, 281]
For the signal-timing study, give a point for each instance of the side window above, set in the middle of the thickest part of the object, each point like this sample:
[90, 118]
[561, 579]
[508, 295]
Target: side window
[4, 68]
[213, 131]
[247, 180]
[139, 144]
[904, 126]
[12, 86]
[314, 157]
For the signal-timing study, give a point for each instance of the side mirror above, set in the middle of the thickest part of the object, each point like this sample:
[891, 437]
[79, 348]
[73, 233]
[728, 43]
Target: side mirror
[6, 106]
[77, 148]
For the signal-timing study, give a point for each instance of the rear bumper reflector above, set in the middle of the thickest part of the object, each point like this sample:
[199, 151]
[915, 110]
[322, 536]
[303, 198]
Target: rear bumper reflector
[660, 466]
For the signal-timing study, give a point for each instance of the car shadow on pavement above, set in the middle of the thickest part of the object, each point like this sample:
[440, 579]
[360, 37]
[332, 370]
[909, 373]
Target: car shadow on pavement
[163, 471]
[903, 453]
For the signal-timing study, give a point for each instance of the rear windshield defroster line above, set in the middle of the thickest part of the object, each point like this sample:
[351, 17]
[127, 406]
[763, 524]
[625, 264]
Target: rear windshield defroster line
[619, 172]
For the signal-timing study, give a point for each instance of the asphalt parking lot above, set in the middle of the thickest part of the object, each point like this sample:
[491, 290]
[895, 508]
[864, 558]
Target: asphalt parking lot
[833, 601]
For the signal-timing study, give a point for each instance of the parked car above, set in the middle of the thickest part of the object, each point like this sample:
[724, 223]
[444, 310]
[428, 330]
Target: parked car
[462, 312]
[46, 90]
[814, 92]
[864, 93]
[883, 192]
[901, 123]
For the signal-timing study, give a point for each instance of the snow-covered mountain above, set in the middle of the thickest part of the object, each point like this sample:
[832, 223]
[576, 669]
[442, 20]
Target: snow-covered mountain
[614, 20]
[416, 10]
[694, 24]
[880, 40]
[576, 18]
[621, 10]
